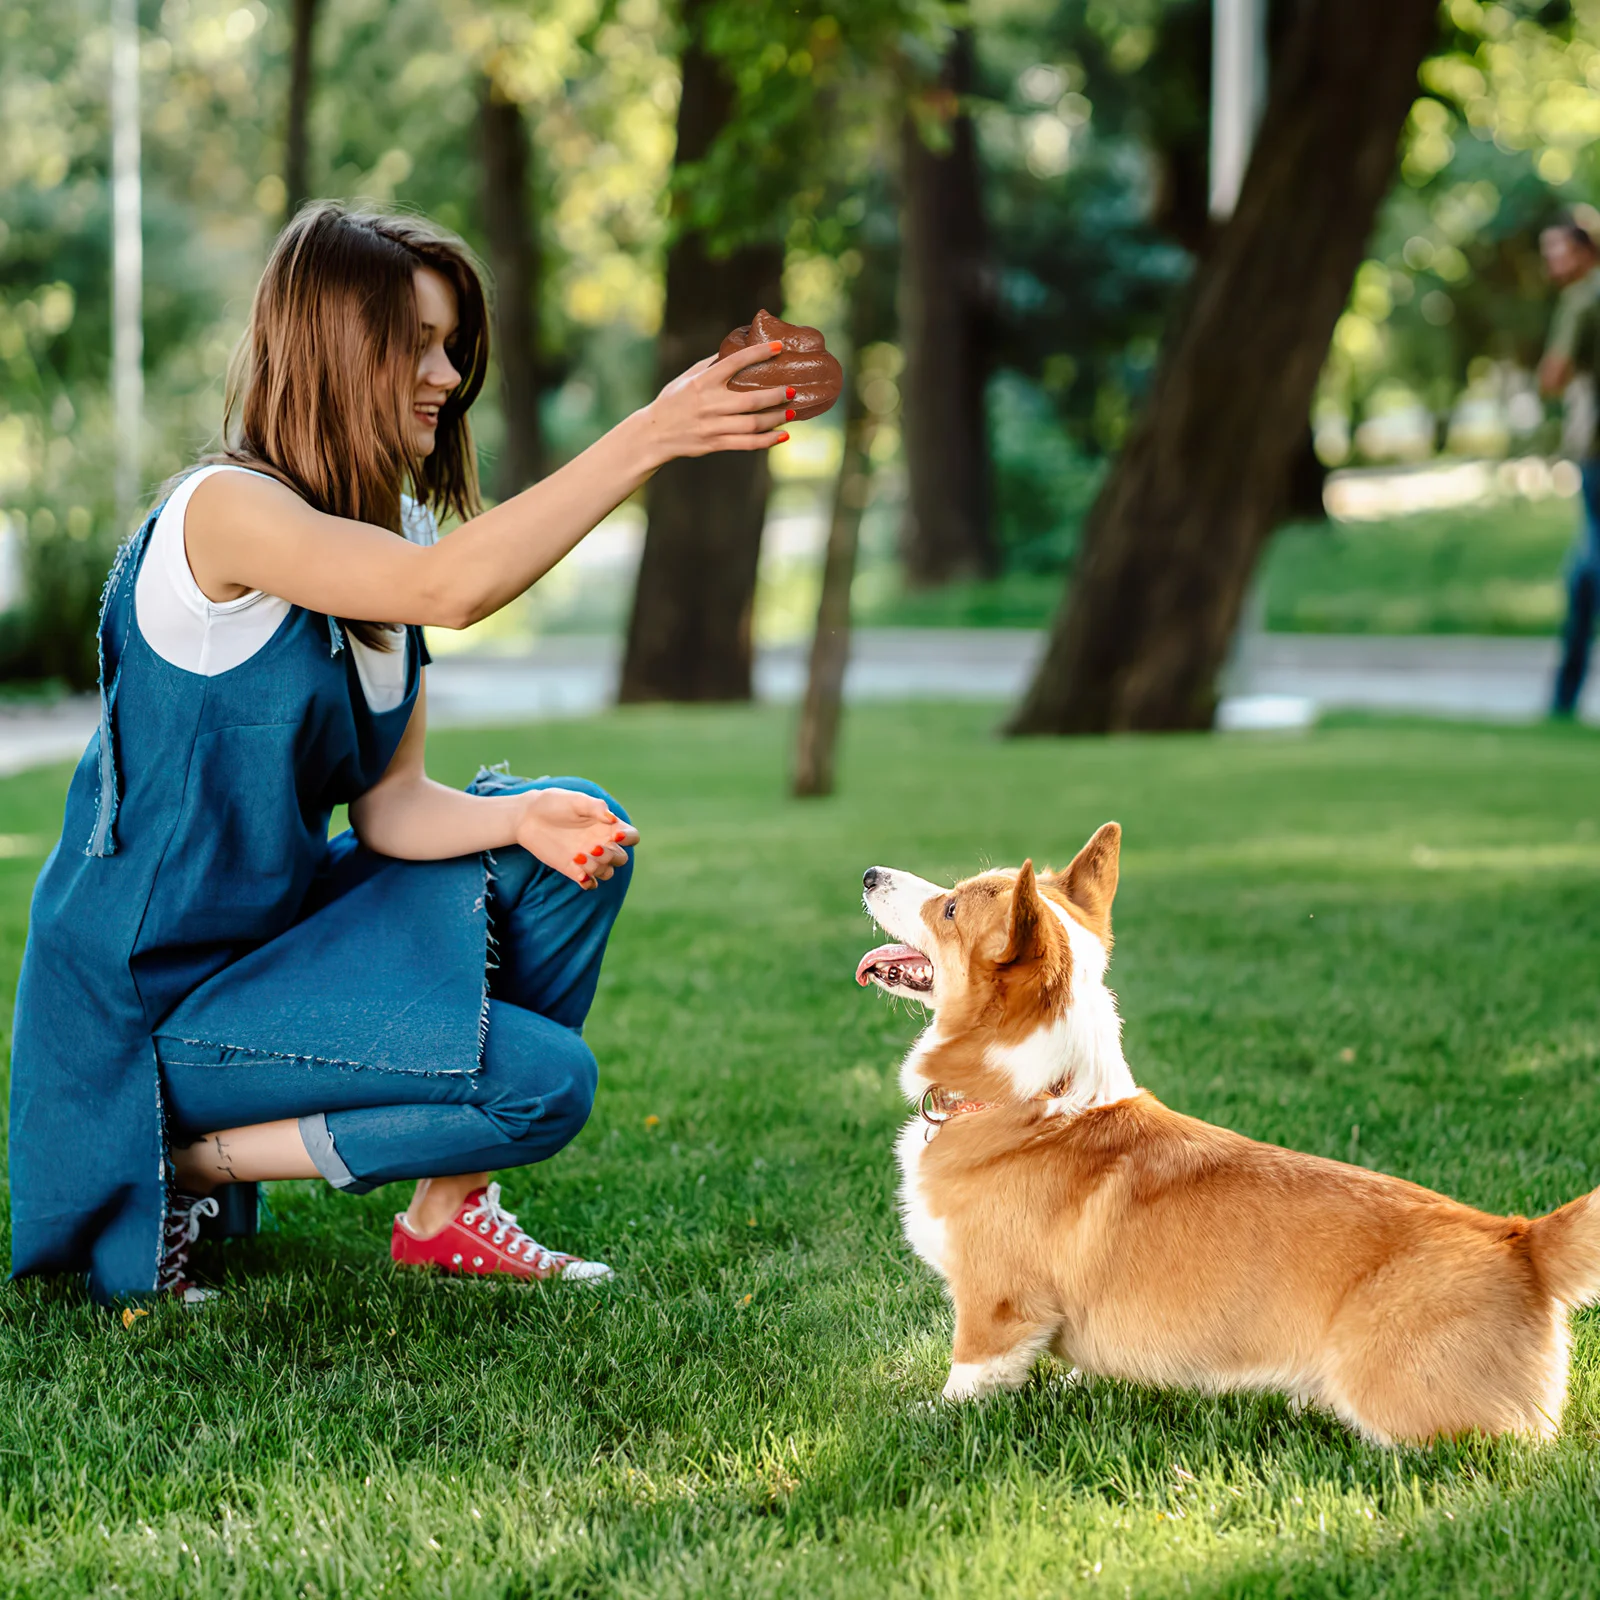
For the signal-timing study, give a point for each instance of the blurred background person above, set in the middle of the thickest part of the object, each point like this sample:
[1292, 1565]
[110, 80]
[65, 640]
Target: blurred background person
[1567, 368]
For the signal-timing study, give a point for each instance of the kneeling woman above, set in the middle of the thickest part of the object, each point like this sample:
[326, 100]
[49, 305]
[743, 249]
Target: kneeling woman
[213, 992]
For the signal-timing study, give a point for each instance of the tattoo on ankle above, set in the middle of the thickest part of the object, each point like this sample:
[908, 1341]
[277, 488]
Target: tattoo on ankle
[225, 1159]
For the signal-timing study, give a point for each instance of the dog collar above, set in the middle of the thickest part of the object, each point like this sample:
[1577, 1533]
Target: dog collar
[937, 1106]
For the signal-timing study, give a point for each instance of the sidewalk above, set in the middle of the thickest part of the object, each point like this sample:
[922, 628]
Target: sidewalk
[1279, 680]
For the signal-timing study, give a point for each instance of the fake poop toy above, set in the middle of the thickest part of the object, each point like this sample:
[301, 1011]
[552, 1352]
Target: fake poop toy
[804, 364]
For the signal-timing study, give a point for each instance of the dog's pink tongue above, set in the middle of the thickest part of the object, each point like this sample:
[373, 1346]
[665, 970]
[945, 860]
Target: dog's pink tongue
[888, 954]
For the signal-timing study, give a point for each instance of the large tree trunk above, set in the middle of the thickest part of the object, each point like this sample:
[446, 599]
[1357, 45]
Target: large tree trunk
[1304, 483]
[511, 229]
[946, 319]
[1174, 536]
[296, 153]
[689, 635]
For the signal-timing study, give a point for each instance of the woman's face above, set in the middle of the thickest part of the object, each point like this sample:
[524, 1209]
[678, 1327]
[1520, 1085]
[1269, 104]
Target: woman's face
[436, 375]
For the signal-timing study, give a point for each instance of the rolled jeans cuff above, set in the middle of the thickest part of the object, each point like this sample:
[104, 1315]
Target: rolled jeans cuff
[318, 1140]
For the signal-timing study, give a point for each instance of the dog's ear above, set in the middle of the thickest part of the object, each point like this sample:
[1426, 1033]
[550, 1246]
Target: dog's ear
[1027, 924]
[1090, 883]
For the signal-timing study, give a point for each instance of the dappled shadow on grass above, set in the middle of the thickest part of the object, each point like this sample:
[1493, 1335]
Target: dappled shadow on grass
[1532, 1534]
[677, 1440]
[1148, 1492]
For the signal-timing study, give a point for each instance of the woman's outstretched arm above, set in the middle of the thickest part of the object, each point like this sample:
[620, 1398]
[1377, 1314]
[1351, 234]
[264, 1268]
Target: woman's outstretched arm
[406, 814]
[245, 533]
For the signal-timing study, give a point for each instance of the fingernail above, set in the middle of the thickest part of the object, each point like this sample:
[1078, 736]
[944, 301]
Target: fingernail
[622, 838]
[782, 437]
[597, 850]
[580, 861]
[583, 882]
[788, 416]
[775, 346]
[790, 392]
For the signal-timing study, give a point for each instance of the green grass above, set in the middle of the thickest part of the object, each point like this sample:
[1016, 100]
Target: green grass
[1373, 942]
[1013, 600]
[1479, 569]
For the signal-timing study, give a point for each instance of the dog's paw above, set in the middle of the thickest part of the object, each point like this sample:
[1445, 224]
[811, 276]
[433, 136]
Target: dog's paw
[966, 1382]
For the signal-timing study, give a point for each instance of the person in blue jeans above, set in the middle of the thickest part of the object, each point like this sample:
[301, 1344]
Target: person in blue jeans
[1568, 367]
[1583, 596]
[214, 993]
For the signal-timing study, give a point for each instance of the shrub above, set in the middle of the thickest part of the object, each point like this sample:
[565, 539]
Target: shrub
[50, 634]
[1043, 484]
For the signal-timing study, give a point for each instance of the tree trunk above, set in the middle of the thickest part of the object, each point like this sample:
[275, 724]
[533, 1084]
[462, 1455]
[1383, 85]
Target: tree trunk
[871, 319]
[1174, 536]
[511, 230]
[946, 319]
[818, 735]
[296, 154]
[689, 635]
[1306, 479]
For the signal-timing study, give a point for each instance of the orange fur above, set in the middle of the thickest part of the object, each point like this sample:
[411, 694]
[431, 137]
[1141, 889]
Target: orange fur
[1079, 1214]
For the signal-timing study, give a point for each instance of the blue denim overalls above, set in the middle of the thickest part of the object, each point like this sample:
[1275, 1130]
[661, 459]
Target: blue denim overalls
[195, 844]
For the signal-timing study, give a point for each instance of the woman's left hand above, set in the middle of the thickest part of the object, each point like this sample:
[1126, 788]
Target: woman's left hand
[697, 413]
[575, 834]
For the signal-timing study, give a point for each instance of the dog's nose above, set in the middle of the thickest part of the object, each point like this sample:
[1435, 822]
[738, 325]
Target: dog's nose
[872, 877]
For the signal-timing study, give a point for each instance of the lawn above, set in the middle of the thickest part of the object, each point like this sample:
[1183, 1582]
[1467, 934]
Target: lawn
[1375, 942]
[1477, 569]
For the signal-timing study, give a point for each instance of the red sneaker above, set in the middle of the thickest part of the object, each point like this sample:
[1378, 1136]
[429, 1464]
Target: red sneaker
[181, 1229]
[484, 1238]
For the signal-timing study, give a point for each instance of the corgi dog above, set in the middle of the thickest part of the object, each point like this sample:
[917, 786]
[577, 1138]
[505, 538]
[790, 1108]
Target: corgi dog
[1069, 1210]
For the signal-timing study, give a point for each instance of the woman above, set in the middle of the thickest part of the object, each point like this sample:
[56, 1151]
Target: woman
[212, 991]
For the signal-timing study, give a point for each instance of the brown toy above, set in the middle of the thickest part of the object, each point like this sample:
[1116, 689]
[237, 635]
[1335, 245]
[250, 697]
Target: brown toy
[804, 364]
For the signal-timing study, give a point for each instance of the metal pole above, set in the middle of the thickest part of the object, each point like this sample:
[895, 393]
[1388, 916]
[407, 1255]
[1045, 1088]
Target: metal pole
[127, 256]
[1238, 91]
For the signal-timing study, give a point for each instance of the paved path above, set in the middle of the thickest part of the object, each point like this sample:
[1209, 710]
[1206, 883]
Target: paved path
[1279, 680]
[1496, 679]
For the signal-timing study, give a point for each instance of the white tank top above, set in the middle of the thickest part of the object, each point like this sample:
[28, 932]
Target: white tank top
[209, 637]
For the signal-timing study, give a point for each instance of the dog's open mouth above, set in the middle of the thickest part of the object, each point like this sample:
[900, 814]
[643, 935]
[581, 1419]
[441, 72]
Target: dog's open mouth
[896, 966]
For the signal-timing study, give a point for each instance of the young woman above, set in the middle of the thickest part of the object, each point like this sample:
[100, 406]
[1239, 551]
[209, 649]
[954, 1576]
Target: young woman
[212, 991]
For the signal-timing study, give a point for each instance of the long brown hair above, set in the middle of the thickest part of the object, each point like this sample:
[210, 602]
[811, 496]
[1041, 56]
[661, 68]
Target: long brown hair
[319, 391]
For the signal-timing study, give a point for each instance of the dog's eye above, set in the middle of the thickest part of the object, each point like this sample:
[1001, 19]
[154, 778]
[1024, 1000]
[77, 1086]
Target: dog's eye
[949, 909]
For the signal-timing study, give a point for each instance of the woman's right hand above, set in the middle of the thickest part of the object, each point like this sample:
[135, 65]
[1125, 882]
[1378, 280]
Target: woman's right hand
[697, 413]
[575, 834]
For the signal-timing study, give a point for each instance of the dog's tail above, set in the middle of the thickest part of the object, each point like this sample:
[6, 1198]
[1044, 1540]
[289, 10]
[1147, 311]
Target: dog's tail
[1565, 1246]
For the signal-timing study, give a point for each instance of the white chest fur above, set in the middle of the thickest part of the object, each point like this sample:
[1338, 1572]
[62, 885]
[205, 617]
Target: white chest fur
[925, 1233]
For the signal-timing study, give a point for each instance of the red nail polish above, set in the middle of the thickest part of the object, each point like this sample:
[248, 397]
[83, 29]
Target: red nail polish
[597, 850]
[788, 416]
[580, 861]
[583, 882]
[622, 838]
[775, 346]
[790, 392]
[782, 437]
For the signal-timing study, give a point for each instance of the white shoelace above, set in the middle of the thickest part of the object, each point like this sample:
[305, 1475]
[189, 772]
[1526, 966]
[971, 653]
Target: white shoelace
[185, 1213]
[507, 1235]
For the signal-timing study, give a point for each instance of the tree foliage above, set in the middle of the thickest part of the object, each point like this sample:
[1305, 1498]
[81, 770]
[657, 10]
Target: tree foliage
[1451, 303]
[1091, 129]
